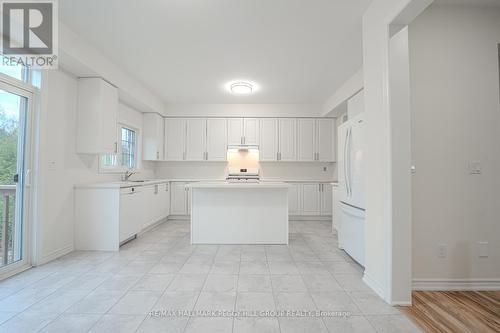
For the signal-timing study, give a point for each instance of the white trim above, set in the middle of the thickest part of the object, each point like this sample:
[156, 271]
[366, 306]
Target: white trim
[374, 285]
[14, 270]
[56, 254]
[456, 284]
[402, 303]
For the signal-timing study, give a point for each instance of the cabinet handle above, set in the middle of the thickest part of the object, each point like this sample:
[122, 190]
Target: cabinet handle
[116, 147]
[157, 155]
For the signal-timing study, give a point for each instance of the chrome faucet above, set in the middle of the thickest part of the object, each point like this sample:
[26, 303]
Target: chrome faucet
[128, 174]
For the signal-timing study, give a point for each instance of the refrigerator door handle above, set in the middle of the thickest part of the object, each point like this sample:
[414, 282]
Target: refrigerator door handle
[345, 162]
[349, 144]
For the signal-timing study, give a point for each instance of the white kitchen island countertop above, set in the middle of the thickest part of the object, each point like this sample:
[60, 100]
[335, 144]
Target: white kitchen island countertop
[231, 185]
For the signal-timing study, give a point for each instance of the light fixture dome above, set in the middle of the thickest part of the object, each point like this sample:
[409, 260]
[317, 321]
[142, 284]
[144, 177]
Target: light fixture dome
[241, 88]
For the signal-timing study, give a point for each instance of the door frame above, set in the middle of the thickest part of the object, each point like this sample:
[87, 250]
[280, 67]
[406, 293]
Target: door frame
[22, 89]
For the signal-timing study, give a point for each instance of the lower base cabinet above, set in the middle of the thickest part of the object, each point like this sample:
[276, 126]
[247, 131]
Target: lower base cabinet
[106, 217]
[180, 199]
[310, 199]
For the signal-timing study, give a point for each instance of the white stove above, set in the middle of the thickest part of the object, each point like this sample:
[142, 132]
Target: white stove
[243, 175]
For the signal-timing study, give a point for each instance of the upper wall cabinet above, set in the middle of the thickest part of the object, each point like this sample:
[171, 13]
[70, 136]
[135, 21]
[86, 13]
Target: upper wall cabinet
[195, 139]
[153, 133]
[235, 131]
[96, 117]
[316, 140]
[325, 140]
[243, 131]
[216, 139]
[287, 139]
[268, 148]
[175, 139]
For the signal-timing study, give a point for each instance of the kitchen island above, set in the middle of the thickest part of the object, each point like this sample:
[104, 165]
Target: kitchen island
[239, 213]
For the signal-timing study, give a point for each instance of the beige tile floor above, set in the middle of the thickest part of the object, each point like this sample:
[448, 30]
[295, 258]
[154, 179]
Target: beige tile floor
[116, 292]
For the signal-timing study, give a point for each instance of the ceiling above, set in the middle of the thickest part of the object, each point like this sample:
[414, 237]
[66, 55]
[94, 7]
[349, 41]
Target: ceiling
[298, 51]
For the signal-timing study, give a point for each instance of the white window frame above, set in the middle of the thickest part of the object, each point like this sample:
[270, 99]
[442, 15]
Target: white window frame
[119, 168]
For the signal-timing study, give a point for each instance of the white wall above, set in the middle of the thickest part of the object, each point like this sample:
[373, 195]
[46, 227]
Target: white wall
[244, 110]
[379, 197]
[59, 167]
[269, 170]
[456, 119]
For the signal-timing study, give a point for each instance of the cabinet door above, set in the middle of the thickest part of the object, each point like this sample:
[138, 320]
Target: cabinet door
[235, 131]
[216, 139]
[178, 198]
[97, 113]
[288, 139]
[326, 136]
[294, 200]
[310, 199]
[268, 148]
[251, 131]
[165, 200]
[110, 116]
[326, 199]
[152, 137]
[149, 206]
[336, 208]
[175, 139]
[306, 139]
[196, 139]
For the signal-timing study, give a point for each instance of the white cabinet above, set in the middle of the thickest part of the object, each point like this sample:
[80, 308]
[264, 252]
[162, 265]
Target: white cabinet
[235, 131]
[325, 140]
[287, 139]
[243, 131]
[216, 139]
[336, 208]
[310, 199]
[251, 131]
[295, 199]
[311, 196]
[316, 140]
[132, 211]
[179, 204]
[268, 148]
[326, 199]
[96, 117]
[175, 139]
[153, 133]
[306, 139]
[196, 139]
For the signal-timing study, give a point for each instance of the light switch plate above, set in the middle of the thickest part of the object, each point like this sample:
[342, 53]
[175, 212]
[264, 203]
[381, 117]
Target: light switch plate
[475, 167]
[442, 250]
[482, 249]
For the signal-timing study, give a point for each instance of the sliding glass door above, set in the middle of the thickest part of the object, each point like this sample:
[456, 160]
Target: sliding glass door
[14, 162]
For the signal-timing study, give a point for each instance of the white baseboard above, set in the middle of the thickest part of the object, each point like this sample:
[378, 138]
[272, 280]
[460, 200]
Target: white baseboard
[179, 218]
[373, 284]
[55, 254]
[456, 284]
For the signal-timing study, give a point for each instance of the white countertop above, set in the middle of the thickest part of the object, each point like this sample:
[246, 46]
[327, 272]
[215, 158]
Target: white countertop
[229, 185]
[121, 184]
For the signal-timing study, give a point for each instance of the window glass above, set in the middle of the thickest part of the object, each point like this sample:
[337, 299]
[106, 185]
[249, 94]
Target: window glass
[126, 158]
[128, 148]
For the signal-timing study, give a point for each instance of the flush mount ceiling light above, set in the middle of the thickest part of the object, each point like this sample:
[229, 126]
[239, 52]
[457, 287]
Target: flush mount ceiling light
[241, 88]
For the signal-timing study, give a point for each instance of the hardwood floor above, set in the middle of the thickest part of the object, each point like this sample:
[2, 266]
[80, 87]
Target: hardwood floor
[455, 311]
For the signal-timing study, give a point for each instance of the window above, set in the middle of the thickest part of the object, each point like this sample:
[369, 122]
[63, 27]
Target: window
[30, 76]
[126, 158]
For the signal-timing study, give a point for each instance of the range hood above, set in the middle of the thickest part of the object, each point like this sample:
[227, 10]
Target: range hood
[242, 148]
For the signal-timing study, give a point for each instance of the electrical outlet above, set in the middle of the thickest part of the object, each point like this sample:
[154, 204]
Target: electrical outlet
[482, 249]
[442, 250]
[475, 167]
